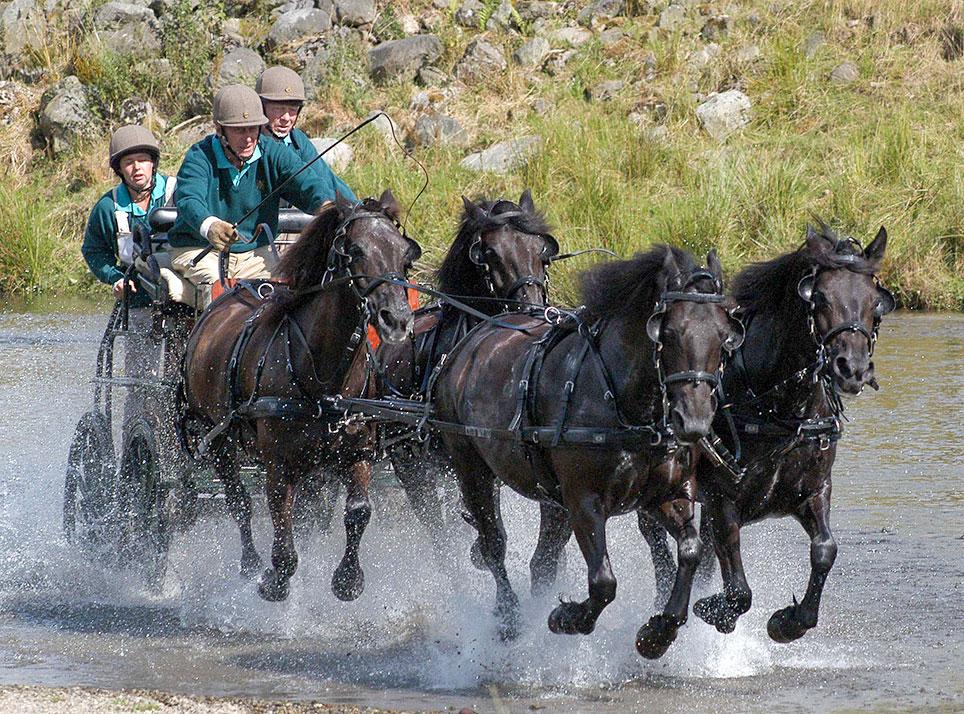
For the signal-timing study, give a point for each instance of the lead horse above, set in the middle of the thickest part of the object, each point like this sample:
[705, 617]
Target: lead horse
[812, 318]
[284, 356]
[626, 389]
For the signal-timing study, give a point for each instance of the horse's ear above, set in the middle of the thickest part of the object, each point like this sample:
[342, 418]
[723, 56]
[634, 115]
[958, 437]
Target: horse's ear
[713, 262]
[472, 211]
[875, 251]
[389, 204]
[344, 204]
[816, 241]
[526, 203]
[669, 273]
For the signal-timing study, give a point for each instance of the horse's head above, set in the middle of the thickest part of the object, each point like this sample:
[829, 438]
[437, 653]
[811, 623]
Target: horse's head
[508, 246]
[691, 327]
[369, 246]
[846, 303]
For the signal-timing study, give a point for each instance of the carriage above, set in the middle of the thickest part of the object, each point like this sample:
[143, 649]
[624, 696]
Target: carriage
[130, 485]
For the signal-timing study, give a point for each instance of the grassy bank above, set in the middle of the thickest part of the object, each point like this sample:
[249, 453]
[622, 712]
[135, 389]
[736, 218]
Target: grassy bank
[882, 150]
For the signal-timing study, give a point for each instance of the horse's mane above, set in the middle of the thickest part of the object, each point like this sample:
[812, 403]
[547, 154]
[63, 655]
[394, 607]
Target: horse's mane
[629, 286]
[771, 286]
[458, 275]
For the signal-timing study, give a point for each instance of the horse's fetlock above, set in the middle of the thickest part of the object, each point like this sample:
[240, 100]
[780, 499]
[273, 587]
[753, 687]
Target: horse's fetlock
[689, 551]
[823, 554]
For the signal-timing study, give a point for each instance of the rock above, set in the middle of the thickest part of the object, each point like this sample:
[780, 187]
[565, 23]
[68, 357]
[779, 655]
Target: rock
[532, 53]
[814, 41]
[505, 156]
[401, 59]
[231, 33]
[573, 36]
[469, 14]
[658, 134]
[277, 8]
[605, 91]
[66, 116]
[355, 13]
[724, 113]
[472, 12]
[429, 76]
[611, 36]
[116, 14]
[480, 61]
[389, 130]
[600, 10]
[239, 66]
[135, 110]
[845, 73]
[542, 106]
[716, 27]
[439, 130]
[748, 54]
[128, 29]
[14, 100]
[501, 17]
[671, 18]
[557, 60]
[702, 57]
[532, 11]
[297, 24]
[410, 24]
[23, 26]
[337, 158]
[193, 131]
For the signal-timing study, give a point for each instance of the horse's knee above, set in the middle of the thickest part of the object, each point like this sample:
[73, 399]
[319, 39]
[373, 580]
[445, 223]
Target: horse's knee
[823, 553]
[689, 552]
[602, 586]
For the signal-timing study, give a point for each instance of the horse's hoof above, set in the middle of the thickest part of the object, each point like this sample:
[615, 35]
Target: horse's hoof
[272, 588]
[475, 555]
[250, 564]
[655, 637]
[783, 626]
[569, 618]
[348, 582]
[717, 610]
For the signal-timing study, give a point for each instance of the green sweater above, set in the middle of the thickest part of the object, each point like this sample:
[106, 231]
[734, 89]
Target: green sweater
[299, 142]
[100, 239]
[206, 187]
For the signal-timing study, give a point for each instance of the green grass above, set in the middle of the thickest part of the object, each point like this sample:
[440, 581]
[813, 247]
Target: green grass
[883, 150]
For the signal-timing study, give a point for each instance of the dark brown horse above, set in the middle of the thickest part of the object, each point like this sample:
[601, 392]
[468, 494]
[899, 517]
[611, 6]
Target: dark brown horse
[811, 317]
[597, 415]
[257, 370]
[497, 263]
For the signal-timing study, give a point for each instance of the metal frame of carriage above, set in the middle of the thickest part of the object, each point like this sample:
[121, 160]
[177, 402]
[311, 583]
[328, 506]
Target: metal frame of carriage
[122, 508]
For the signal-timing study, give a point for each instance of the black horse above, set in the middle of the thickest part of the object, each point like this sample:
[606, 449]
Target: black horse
[498, 263]
[812, 318]
[625, 389]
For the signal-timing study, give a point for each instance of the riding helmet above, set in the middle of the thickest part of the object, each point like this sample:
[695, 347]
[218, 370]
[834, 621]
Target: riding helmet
[280, 84]
[131, 139]
[238, 105]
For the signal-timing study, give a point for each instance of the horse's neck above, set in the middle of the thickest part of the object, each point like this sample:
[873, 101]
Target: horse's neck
[328, 322]
[628, 355]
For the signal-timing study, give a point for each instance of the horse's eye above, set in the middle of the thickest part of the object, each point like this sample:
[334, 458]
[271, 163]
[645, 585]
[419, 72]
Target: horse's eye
[818, 298]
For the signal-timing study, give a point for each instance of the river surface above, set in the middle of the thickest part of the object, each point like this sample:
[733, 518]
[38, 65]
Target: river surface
[890, 636]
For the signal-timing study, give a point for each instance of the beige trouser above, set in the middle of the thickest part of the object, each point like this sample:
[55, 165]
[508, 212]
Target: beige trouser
[257, 264]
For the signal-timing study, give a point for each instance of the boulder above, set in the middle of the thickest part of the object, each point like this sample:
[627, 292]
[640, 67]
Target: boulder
[573, 36]
[505, 156]
[611, 36]
[135, 110]
[813, 43]
[66, 116]
[472, 12]
[845, 73]
[389, 130]
[337, 158]
[239, 66]
[532, 53]
[480, 61]
[296, 24]
[355, 13]
[724, 113]
[604, 91]
[22, 26]
[532, 11]
[439, 130]
[14, 101]
[600, 11]
[672, 17]
[402, 59]
[128, 29]
[557, 60]
[429, 76]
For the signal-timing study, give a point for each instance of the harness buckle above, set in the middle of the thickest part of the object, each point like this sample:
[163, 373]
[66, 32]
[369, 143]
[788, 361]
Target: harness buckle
[268, 289]
[824, 442]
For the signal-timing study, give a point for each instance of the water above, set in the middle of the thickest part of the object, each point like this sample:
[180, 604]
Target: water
[889, 636]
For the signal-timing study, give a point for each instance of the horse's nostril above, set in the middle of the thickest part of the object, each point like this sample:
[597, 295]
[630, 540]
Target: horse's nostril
[842, 365]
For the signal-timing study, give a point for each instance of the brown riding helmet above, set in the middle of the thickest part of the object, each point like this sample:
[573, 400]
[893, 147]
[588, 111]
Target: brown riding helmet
[280, 84]
[238, 105]
[132, 139]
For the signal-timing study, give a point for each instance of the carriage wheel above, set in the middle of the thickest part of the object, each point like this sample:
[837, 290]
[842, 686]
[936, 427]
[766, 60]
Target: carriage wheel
[143, 496]
[89, 488]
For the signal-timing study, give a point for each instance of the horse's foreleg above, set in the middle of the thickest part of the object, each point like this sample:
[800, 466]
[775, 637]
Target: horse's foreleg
[284, 560]
[707, 566]
[554, 533]
[315, 503]
[655, 637]
[348, 581]
[239, 506]
[793, 622]
[664, 567]
[420, 486]
[588, 521]
[723, 609]
[480, 496]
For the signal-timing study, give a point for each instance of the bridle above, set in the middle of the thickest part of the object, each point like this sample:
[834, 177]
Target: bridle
[654, 329]
[477, 256]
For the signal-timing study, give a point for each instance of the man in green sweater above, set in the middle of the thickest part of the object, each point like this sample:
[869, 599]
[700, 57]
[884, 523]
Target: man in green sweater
[225, 176]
